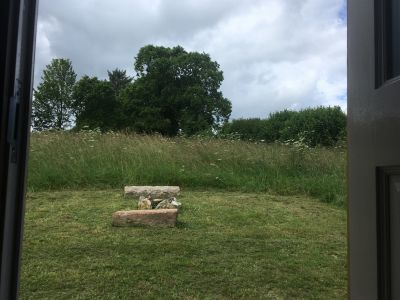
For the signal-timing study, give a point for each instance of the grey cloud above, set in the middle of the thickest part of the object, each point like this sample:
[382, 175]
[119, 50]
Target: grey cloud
[275, 54]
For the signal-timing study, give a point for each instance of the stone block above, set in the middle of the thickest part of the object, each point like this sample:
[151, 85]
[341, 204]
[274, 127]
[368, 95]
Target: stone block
[155, 218]
[154, 192]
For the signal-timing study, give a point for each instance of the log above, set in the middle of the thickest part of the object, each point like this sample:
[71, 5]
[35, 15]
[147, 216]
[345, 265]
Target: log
[154, 218]
[154, 192]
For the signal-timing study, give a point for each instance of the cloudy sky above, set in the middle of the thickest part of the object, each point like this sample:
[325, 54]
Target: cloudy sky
[275, 54]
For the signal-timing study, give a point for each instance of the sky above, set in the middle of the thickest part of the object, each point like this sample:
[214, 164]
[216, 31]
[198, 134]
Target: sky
[275, 54]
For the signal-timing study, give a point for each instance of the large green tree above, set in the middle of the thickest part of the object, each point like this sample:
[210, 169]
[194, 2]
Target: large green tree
[175, 91]
[53, 100]
[96, 105]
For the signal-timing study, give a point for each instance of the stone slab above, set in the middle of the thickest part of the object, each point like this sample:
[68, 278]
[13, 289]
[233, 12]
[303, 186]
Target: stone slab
[156, 218]
[155, 192]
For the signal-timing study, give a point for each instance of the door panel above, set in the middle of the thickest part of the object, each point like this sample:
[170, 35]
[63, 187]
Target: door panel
[374, 142]
[393, 37]
[394, 218]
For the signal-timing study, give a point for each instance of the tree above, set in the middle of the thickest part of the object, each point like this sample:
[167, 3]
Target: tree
[52, 103]
[175, 91]
[119, 80]
[96, 105]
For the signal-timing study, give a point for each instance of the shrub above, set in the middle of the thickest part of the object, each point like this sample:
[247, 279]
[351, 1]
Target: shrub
[247, 129]
[321, 126]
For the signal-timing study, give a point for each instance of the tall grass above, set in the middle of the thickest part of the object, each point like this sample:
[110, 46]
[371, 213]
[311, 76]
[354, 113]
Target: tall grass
[64, 160]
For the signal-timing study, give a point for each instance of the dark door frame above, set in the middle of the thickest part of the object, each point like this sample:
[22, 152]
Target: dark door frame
[17, 45]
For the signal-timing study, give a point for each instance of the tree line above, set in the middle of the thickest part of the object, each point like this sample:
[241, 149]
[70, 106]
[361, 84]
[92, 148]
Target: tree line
[321, 126]
[174, 91]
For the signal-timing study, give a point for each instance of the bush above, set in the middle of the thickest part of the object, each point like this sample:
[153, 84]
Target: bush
[321, 126]
[247, 129]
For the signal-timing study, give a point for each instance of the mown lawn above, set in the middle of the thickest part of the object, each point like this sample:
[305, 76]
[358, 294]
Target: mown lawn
[228, 245]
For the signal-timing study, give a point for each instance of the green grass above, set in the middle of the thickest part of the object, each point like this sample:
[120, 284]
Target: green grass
[91, 160]
[228, 245]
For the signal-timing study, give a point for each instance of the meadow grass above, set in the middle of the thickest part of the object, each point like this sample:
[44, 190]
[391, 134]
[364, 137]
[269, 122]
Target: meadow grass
[227, 245]
[65, 160]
